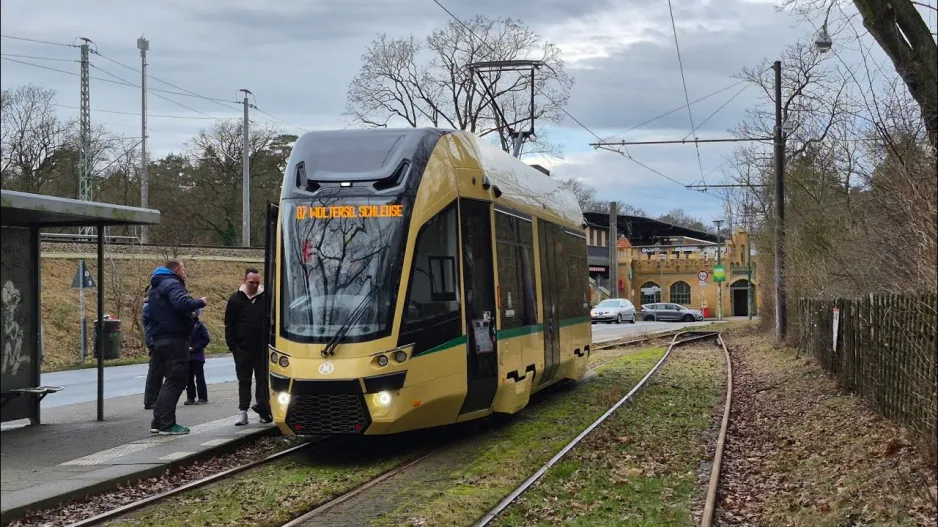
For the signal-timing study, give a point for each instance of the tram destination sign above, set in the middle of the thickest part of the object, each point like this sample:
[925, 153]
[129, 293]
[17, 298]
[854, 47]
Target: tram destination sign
[304, 212]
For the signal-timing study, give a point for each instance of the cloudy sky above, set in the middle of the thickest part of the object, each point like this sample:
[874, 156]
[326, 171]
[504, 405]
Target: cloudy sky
[298, 57]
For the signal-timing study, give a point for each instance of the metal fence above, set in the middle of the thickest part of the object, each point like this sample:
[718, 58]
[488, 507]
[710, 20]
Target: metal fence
[882, 348]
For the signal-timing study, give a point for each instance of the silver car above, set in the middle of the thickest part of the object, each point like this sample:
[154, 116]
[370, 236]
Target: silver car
[613, 310]
[670, 312]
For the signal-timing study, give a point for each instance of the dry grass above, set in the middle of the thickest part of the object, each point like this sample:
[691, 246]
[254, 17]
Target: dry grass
[125, 281]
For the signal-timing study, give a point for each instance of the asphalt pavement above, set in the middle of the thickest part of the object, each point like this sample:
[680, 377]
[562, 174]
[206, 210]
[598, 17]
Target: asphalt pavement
[81, 386]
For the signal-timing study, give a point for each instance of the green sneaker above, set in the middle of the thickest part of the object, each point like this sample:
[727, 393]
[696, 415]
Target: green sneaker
[174, 430]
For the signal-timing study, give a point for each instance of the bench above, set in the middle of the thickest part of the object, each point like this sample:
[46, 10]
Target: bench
[39, 391]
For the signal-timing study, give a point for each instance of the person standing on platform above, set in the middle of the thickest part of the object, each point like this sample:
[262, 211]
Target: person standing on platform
[244, 335]
[172, 324]
[197, 344]
[154, 375]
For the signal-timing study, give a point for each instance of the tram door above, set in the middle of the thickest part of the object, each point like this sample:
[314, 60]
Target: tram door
[550, 254]
[479, 286]
[270, 264]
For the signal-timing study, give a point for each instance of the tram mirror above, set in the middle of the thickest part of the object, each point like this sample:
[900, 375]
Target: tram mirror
[486, 184]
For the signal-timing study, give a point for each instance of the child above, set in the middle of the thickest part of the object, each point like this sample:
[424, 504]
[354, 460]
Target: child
[197, 344]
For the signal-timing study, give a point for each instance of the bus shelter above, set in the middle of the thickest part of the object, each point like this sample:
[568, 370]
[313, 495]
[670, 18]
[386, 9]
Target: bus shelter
[22, 217]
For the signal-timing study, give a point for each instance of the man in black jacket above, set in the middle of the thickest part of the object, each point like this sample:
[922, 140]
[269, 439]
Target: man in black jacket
[170, 325]
[245, 337]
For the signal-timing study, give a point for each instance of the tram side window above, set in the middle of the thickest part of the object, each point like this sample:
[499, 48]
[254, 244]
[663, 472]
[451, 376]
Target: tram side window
[575, 264]
[515, 241]
[432, 313]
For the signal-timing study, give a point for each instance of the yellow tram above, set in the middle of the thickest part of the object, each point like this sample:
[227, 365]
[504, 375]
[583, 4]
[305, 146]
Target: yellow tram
[418, 278]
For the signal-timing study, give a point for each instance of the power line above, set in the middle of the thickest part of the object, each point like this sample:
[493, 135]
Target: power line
[277, 118]
[189, 92]
[564, 110]
[149, 115]
[39, 41]
[680, 62]
[160, 96]
[679, 108]
[37, 58]
[122, 83]
[720, 108]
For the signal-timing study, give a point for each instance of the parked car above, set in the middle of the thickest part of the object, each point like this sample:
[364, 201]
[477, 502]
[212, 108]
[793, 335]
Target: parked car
[613, 310]
[670, 312]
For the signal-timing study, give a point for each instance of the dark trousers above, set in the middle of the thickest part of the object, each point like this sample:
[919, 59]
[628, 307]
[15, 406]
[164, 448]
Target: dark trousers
[172, 358]
[196, 382]
[155, 375]
[252, 363]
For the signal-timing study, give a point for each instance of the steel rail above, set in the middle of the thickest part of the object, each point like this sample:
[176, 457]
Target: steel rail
[710, 504]
[150, 500]
[508, 500]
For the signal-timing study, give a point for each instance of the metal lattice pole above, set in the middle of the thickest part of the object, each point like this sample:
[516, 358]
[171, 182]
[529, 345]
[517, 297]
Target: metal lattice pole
[246, 176]
[144, 45]
[84, 123]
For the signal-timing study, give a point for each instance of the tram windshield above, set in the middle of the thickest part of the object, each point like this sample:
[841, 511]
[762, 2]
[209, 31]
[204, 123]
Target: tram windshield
[340, 255]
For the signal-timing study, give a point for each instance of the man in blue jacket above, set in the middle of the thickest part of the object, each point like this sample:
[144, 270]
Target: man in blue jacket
[171, 324]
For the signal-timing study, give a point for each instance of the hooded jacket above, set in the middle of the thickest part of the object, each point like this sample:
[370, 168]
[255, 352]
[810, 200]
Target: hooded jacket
[198, 341]
[170, 307]
[244, 321]
[147, 330]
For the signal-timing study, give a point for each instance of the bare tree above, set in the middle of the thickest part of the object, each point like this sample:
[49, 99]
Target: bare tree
[216, 176]
[394, 84]
[32, 136]
[902, 33]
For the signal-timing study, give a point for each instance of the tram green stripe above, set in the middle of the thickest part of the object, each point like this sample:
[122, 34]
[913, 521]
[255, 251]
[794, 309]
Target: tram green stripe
[518, 332]
[574, 321]
[458, 341]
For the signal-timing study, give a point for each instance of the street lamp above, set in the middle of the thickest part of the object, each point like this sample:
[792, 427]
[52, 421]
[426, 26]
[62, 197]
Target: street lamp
[823, 41]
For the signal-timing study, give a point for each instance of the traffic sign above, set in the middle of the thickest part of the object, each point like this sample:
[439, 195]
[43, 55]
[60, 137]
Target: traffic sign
[703, 275]
[82, 277]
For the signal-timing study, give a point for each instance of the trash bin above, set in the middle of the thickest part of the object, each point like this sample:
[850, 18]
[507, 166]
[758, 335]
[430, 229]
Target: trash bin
[112, 339]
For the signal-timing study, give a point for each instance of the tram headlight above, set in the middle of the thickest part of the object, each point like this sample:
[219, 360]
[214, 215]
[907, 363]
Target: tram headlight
[382, 398]
[284, 361]
[400, 355]
[283, 398]
[273, 357]
[382, 360]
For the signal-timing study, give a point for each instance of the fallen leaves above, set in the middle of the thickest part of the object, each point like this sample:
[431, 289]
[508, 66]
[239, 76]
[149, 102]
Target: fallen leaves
[799, 451]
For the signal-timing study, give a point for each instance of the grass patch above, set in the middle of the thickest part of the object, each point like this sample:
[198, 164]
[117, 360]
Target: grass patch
[277, 492]
[460, 485]
[640, 466]
[125, 281]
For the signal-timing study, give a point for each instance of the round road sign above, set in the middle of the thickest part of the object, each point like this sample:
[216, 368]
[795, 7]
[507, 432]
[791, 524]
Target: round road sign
[702, 276]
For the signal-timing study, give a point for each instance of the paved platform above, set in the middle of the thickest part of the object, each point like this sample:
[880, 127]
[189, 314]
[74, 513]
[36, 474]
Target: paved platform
[71, 455]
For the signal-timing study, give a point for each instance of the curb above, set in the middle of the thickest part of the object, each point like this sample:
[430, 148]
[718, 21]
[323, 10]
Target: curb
[101, 487]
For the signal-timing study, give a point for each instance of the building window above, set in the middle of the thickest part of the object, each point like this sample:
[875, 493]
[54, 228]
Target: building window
[651, 294]
[680, 293]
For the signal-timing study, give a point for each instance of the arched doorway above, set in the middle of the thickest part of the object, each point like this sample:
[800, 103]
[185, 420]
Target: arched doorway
[739, 298]
[651, 293]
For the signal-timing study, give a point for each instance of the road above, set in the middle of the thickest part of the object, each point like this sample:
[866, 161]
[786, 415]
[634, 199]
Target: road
[81, 386]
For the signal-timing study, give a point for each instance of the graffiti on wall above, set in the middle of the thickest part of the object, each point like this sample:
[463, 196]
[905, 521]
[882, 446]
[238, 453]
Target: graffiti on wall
[14, 356]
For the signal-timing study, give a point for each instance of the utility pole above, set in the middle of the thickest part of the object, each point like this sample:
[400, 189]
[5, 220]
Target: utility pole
[84, 131]
[613, 248]
[144, 45]
[779, 141]
[718, 223]
[246, 175]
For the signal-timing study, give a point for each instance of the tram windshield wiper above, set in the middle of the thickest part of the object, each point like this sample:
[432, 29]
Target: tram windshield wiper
[352, 320]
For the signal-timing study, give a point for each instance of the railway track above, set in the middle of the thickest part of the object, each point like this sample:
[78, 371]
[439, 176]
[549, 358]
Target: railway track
[221, 476]
[688, 337]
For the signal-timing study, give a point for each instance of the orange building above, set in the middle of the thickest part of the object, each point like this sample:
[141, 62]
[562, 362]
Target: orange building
[659, 262]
